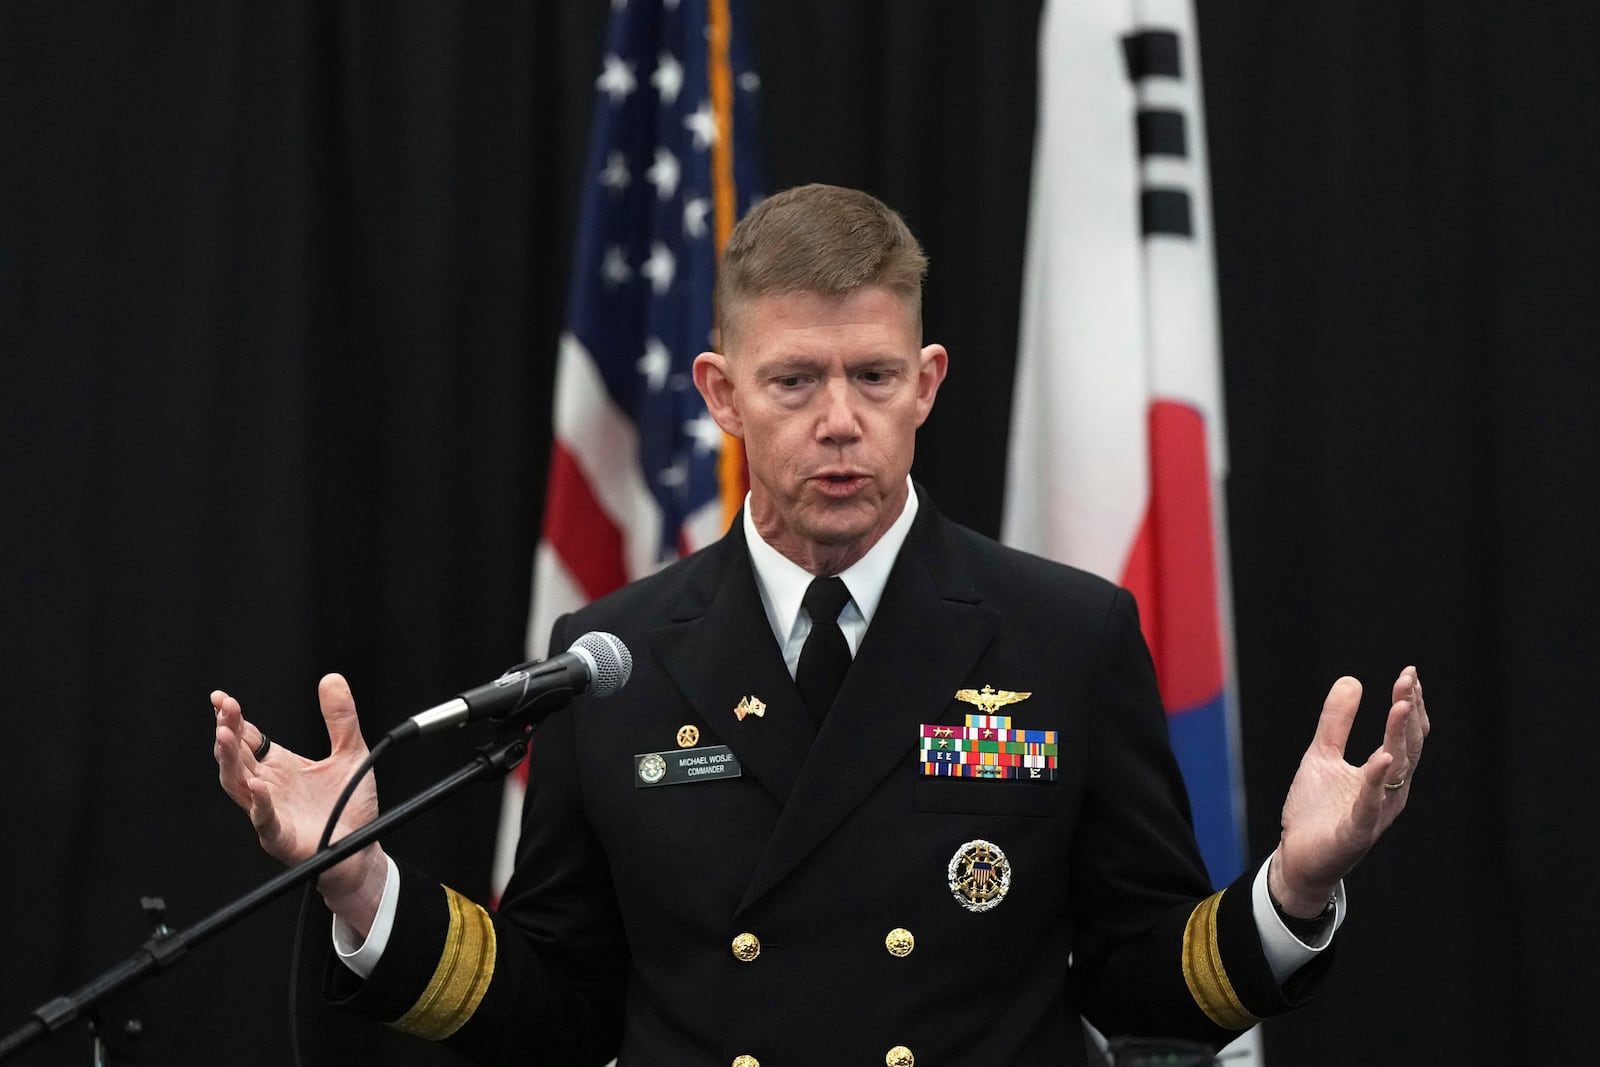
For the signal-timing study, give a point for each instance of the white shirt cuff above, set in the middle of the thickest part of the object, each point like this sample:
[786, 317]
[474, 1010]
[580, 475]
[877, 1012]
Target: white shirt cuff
[1285, 952]
[362, 957]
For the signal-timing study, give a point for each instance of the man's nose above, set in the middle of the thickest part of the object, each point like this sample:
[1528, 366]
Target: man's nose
[838, 419]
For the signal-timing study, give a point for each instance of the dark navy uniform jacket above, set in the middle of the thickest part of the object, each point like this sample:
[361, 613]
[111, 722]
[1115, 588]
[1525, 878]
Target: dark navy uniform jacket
[747, 920]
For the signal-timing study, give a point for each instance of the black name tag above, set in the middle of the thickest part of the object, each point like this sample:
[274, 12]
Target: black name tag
[709, 764]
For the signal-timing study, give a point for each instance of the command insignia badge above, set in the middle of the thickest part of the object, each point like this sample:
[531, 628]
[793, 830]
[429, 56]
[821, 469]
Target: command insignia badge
[980, 875]
[688, 736]
[750, 705]
[652, 768]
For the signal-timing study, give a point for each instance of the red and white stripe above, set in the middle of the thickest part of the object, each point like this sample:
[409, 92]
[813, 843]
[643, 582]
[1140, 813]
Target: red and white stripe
[602, 527]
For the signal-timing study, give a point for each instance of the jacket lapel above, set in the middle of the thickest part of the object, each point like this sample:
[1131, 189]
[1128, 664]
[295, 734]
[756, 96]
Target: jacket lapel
[926, 636]
[719, 649]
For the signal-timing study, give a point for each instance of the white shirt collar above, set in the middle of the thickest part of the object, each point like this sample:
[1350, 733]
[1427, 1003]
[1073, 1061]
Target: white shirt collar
[782, 582]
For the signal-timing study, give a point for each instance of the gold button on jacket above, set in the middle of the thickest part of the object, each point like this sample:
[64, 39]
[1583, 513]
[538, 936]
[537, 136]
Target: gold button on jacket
[746, 1061]
[900, 942]
[746, 947]
[900, 1056]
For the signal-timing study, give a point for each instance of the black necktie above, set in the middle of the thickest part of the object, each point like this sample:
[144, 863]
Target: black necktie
[826, 655]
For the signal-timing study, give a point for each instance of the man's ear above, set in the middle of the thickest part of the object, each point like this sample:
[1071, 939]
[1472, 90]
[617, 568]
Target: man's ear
[933, 361]
[714, 378]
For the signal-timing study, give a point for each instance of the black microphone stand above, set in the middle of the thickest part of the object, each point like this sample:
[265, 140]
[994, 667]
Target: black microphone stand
[167, 946]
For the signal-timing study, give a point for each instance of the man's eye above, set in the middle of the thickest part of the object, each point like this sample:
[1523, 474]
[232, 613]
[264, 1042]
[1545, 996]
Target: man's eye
[790, 381]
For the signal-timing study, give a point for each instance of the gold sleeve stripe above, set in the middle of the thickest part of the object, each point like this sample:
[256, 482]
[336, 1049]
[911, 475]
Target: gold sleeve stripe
[1203, 971]
[459, 982]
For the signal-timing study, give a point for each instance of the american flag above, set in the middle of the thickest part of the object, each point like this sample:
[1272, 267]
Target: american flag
[639, 472]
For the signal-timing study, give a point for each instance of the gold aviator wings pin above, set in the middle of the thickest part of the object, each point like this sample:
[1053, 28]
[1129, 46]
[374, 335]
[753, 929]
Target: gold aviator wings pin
[988, 699]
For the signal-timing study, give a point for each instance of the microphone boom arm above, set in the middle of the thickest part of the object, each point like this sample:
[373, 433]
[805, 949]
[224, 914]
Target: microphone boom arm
[163, 951]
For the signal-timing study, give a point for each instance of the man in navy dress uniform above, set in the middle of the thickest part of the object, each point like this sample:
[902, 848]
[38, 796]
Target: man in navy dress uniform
[879, 789]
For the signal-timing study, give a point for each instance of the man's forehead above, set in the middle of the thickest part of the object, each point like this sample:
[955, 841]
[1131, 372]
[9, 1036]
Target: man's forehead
[781, 318]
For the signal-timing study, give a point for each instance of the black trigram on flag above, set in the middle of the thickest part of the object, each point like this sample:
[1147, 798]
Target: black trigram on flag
[1163, 132]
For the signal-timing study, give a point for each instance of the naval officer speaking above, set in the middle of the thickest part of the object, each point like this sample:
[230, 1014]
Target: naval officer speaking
[938, 818]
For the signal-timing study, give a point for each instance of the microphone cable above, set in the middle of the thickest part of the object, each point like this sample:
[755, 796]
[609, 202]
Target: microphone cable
[298, 945]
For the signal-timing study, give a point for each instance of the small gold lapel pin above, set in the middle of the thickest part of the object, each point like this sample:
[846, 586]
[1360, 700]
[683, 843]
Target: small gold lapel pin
[750, 705]
[988, 699]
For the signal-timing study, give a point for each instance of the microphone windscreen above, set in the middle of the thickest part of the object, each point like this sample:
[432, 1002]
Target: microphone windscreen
[610, 662]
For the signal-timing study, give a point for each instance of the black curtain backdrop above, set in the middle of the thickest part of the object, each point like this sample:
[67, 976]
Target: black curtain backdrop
[280, 286]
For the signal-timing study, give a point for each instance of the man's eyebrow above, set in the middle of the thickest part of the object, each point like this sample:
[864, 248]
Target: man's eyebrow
[804, 361]
[789, 363]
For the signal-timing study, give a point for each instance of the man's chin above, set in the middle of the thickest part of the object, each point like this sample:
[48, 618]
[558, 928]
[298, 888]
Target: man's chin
[841, 528]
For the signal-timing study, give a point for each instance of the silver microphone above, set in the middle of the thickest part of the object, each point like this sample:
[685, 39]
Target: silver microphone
[597, 662]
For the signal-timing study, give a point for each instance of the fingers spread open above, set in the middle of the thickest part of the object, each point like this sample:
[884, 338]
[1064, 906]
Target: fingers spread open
[1422, 724]
[234, 762]
[339, 713]
[225, 748]
[263, 815]
[1408, 692]
[1403, 685]
[1379, 769]
[1397, 744]
[1338, 713]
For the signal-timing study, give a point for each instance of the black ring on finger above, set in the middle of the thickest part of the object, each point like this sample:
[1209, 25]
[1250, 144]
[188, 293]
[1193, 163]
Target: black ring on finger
[263, 748]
